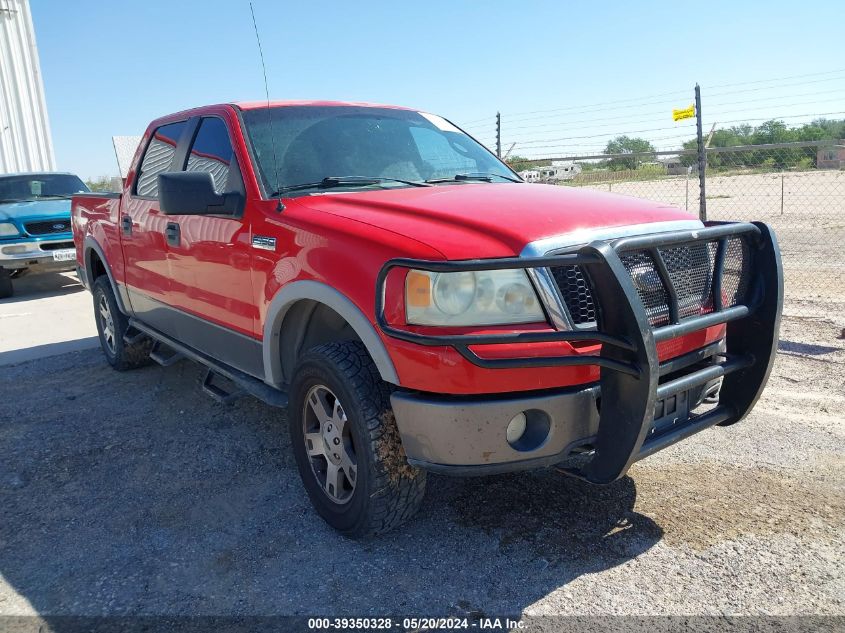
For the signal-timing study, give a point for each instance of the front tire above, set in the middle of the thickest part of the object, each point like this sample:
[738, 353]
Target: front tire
[6, 288]
[347, 445]
[112, 326]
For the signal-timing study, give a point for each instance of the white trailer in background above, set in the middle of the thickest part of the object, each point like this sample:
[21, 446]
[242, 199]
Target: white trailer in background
[558, 171]
[25, 141]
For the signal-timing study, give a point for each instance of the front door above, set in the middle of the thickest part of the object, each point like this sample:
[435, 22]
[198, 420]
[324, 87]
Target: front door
[209, 260]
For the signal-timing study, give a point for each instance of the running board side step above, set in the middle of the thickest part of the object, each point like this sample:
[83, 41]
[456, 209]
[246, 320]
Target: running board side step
[245, 383]
[132, 339]
[217, 392]
[162, 358]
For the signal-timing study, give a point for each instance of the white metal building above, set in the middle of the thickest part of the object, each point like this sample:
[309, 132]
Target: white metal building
[25, 141]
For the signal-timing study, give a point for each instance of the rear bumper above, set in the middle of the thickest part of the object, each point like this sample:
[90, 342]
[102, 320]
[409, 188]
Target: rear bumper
[634, 385]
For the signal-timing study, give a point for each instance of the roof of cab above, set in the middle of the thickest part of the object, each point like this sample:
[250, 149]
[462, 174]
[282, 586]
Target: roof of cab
[252, 105]
[38, 173]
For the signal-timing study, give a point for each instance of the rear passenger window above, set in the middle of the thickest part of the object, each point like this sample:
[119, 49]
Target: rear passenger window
[212, 152]
[158, 157]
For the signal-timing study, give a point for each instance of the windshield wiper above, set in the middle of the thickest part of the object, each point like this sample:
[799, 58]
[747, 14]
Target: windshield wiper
[346, 181]
[479, 176]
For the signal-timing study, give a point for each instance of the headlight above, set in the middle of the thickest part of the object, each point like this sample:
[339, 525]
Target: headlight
[491, 297]
[7, 229]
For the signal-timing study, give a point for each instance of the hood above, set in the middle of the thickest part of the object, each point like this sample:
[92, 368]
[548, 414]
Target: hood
[482, 220]
[34, 209]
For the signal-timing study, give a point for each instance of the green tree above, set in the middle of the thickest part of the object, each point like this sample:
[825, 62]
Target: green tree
[103, 183]
[641, 150]
[772, 131]
[520, 163]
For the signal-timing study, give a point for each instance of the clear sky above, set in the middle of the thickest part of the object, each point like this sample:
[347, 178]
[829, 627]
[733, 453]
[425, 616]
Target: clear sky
[566, 76]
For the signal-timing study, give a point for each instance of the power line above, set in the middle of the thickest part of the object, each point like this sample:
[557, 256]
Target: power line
[638, 101]
[800, 83]
[709, 112]
[663, 112]
[588, 105]
[553, 142]
[762, 81]
[616, 133]
[805, 94]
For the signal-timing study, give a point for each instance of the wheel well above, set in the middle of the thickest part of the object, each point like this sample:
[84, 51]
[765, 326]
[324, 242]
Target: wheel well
[307, 324]
[96, 267]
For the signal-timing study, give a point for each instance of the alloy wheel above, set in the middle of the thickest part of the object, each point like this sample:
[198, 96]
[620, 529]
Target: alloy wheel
[328, 444]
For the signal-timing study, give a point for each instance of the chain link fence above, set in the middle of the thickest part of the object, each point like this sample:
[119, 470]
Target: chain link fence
[797, 188]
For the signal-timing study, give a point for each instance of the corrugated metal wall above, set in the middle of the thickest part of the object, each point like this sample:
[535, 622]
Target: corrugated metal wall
[25, 141]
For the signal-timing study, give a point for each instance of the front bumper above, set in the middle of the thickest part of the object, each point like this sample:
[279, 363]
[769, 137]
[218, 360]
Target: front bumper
[645, 405]
[36, 255]
[468, 435]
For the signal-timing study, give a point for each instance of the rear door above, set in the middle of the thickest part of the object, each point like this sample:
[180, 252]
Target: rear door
[142, 228]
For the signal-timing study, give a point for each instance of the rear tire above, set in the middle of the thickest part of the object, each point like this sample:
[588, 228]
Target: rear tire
[112, 325]
[6, 288]
[347, 444]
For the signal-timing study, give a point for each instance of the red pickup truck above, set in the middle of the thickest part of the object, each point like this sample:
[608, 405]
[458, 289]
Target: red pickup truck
[415, 306]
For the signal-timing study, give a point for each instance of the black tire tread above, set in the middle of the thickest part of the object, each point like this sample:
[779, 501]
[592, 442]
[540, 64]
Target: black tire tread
[6, 288]
[398, 488]
[127, 356]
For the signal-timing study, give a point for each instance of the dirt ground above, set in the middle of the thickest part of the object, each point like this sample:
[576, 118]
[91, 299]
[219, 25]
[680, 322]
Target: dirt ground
[133, 493]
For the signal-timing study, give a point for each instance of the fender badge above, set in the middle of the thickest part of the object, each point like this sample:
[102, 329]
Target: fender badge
[264, 243]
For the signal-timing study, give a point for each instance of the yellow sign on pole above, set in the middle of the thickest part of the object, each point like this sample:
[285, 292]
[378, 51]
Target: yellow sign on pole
[686, 113]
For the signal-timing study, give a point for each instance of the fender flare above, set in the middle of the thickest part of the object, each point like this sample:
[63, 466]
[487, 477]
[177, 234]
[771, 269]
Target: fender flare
[90, 245]
[325, 294]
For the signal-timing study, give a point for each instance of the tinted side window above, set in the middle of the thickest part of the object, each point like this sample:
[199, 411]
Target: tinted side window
[158, 157]
[212, 152]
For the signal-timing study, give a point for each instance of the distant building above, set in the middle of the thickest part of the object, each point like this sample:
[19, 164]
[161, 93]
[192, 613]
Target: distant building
[831, 156]
[530, 175]
[673, 165]
[25, 140]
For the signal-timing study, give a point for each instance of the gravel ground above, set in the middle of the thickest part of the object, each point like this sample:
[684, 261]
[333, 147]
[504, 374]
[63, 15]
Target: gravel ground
[134, 494]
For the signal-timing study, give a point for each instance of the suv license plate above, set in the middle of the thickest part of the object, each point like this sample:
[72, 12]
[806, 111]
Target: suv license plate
[64, 255]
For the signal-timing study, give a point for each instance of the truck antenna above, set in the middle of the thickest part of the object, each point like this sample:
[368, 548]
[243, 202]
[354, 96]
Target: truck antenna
[281, 206]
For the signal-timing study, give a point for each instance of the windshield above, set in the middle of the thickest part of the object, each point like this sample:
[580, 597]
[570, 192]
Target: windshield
[39, 186]
[307, 144]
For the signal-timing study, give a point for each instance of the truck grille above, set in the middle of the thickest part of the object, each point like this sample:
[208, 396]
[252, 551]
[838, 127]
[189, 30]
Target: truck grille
[48, 227]
[690, 268]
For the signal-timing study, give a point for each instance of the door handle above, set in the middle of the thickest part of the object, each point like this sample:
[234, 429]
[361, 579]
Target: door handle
[126, 224]
[173, 233]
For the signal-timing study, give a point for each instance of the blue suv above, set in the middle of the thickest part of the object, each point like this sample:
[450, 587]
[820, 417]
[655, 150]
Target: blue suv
[35, 231]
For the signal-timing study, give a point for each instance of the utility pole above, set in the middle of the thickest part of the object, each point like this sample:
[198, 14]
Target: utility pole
[498, 134]
[702, 157]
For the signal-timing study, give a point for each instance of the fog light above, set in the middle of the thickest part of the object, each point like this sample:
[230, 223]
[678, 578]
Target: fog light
[516, 428]
[529, 430]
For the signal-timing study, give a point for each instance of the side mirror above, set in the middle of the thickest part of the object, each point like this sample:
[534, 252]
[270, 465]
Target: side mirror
[192, 193]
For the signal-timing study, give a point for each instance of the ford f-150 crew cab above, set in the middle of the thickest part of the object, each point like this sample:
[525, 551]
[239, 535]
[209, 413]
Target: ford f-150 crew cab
[35, 233]
[416, 307]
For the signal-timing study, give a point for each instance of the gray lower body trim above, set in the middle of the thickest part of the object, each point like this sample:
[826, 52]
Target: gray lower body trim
[321, 293]
[225, 345]
[468, 435]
